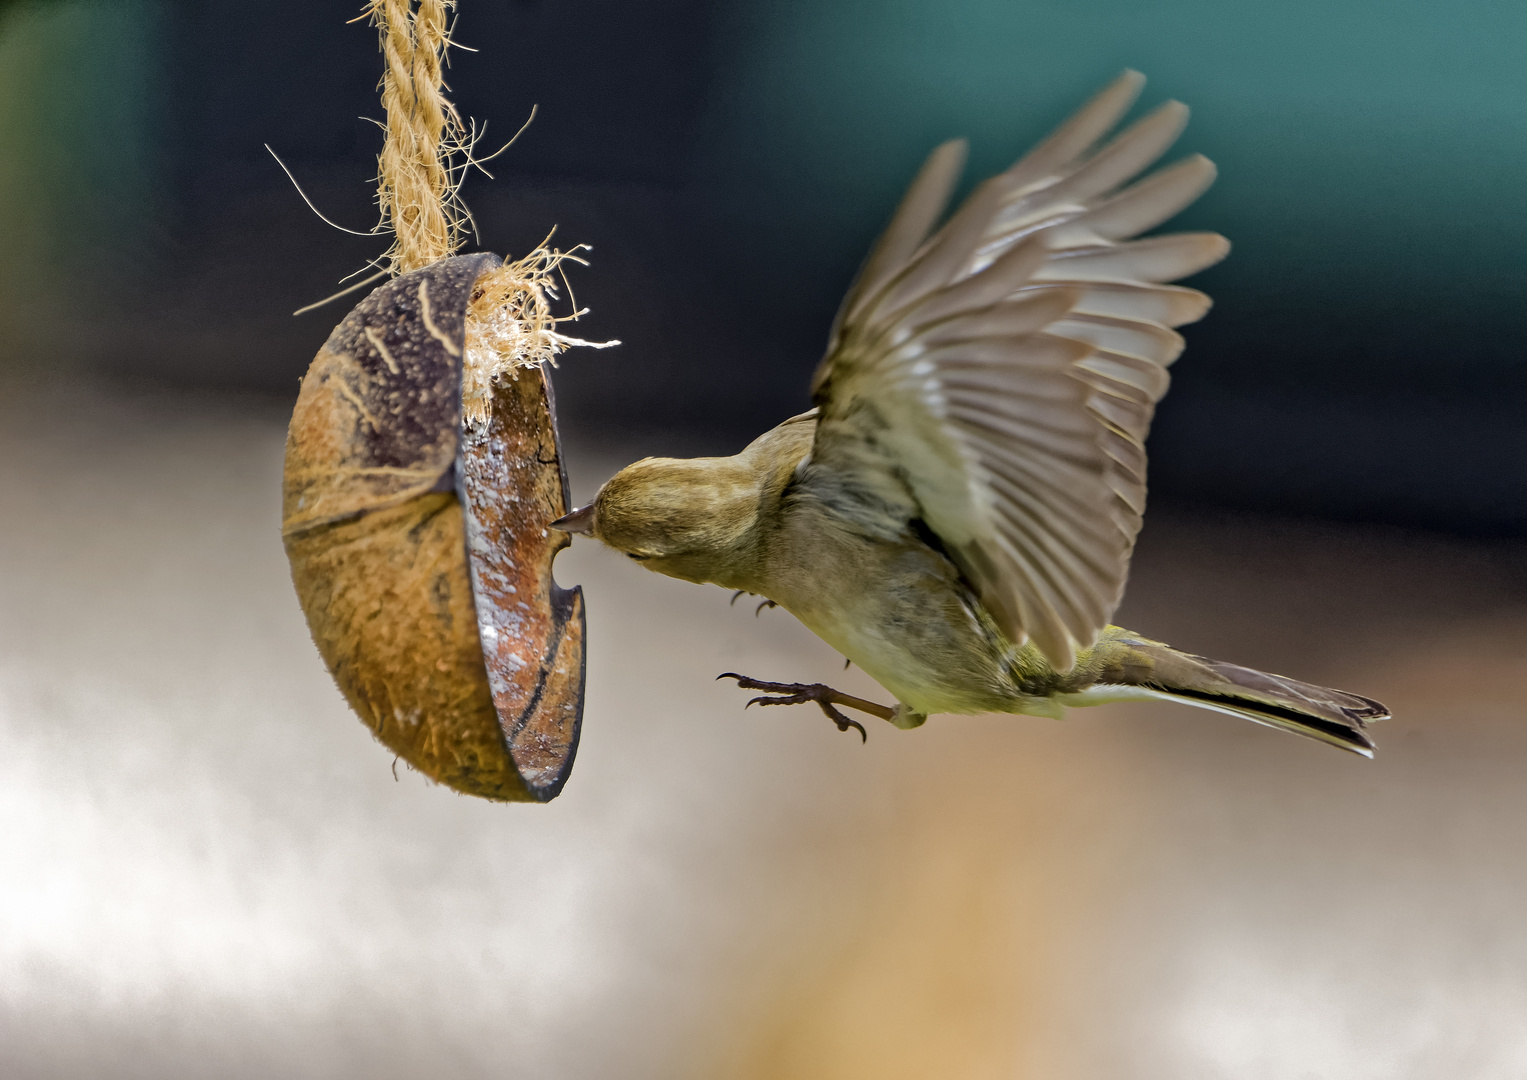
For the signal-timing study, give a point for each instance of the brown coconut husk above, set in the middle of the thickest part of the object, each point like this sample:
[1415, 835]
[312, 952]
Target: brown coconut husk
[419, 544]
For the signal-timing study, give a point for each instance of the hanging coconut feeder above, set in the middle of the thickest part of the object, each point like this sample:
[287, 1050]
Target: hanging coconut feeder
[416, 527]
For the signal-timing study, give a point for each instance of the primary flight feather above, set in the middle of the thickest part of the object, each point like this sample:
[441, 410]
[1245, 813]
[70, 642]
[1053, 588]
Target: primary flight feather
[956, 514]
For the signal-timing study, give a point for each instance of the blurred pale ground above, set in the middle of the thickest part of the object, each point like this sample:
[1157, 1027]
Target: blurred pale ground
[207, 868]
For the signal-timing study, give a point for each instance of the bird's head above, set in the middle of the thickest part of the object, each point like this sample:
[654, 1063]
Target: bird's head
[692, 518]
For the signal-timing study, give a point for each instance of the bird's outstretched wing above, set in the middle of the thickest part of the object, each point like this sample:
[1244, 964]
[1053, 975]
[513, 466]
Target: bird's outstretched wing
[1000, 375]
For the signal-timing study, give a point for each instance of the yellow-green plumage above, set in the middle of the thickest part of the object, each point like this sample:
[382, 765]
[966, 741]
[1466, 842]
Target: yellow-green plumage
[957, 513]
[876, 589]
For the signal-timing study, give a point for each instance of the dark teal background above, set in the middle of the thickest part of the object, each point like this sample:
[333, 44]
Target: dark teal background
[730, 162]
[1373, 155]
[1365, 356]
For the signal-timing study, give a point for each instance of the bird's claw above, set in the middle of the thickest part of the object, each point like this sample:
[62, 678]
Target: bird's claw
[743, 592]
[819, 694]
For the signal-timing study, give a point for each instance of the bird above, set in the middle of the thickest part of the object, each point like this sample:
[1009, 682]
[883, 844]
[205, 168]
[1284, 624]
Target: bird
[956, 513]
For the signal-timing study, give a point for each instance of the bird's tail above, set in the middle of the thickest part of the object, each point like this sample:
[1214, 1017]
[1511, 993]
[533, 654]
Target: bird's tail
[1152, 669]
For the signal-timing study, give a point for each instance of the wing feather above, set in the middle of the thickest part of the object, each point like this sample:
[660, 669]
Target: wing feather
[1152, 201]
[1076, 136]
[920, 209]
[1133, 149]
[996, 377]
[1161, 258]
[1169, 305]
[1129, 337]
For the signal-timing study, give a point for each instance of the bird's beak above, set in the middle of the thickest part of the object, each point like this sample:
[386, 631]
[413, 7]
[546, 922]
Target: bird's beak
[579, 521]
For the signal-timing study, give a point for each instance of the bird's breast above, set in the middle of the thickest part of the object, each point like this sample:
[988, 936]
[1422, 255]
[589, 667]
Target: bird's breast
[893, 605]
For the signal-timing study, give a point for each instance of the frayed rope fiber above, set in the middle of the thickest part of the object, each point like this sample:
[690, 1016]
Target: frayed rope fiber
[419, 176]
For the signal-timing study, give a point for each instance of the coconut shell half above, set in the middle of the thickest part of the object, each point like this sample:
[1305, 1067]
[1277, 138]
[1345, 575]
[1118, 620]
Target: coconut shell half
[420, 550]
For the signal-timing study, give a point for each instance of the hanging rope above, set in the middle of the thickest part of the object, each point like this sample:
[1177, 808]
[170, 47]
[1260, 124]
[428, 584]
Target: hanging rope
[417, 182]
[510, 324]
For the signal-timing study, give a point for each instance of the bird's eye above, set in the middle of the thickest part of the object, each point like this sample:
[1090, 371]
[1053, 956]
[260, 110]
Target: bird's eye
[638, 558]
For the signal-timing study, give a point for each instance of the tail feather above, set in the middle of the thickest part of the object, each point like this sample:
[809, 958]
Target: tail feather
[1317, 712]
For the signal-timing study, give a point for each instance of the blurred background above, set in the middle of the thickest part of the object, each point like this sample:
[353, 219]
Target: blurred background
[207, 867]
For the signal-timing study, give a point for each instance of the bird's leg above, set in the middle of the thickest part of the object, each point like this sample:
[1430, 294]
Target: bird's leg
[820, 693]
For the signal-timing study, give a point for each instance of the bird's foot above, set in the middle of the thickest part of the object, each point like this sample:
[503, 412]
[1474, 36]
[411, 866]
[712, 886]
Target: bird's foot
[820, 693]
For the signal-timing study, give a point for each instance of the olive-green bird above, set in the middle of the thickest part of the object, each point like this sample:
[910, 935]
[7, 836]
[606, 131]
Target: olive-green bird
[956, 514]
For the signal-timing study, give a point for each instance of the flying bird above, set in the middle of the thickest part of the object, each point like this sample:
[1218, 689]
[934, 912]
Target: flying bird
[957, 512]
